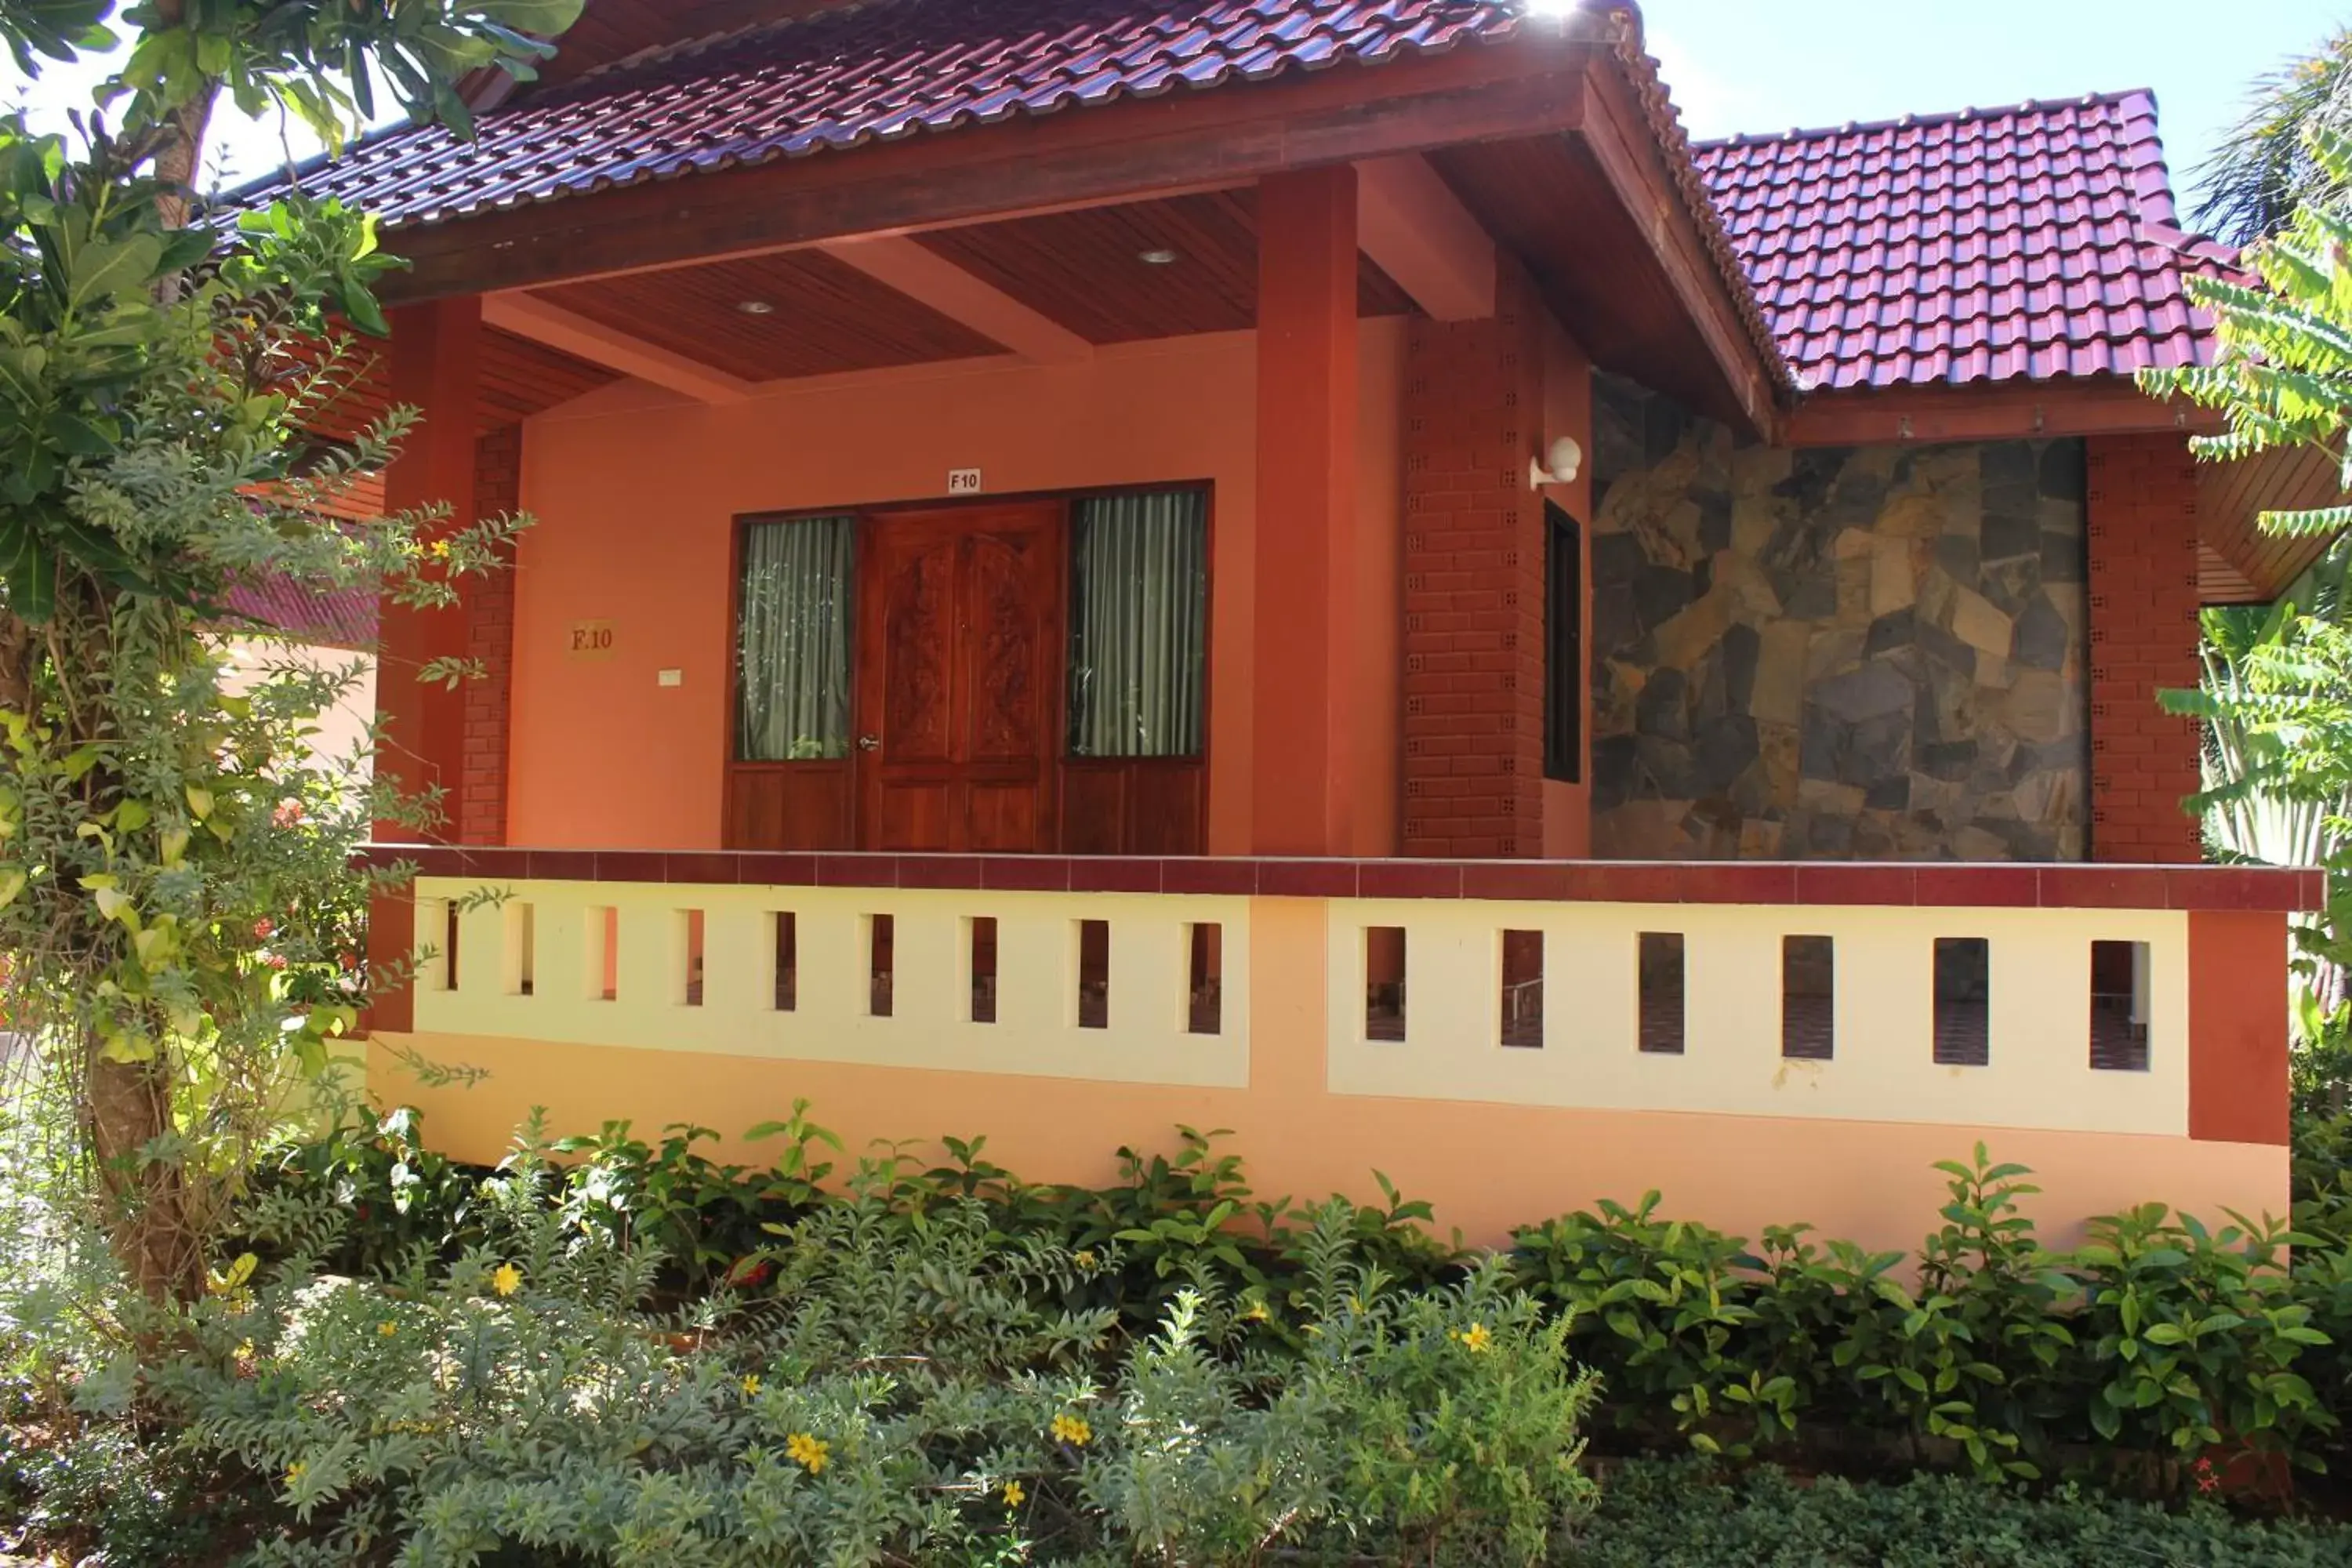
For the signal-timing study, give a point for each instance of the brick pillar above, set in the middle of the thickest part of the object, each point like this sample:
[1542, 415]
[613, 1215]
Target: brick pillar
[2142, 521]
[1303, 706]
[1474, 582]
[489, 642]
[434, 359]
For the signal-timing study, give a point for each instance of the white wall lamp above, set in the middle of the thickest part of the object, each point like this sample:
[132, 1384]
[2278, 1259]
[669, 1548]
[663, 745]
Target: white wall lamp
[1559, 464]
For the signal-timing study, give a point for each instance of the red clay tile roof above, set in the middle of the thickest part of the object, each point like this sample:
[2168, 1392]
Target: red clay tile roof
[2037, 241]
[874, 72]
[346, 618]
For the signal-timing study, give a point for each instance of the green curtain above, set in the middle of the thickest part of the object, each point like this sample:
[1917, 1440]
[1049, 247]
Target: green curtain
[793, 648]
[1139, 625]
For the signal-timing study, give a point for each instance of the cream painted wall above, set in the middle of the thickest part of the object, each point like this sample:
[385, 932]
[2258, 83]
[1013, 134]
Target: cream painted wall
[636, 492]
[342, 729]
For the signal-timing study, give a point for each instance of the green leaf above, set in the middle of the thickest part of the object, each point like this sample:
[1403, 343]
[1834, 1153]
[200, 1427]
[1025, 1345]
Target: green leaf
[104, 268]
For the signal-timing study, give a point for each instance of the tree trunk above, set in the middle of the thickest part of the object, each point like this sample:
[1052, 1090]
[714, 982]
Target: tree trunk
[128, 1108]
[127, 1105]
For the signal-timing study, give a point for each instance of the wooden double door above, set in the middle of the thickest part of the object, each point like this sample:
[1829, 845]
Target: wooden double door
[958, 686]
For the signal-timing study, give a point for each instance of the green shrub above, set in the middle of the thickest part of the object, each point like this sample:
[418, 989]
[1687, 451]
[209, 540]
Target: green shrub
[2156, 1342]
[911, 1386]
[1662, 1515]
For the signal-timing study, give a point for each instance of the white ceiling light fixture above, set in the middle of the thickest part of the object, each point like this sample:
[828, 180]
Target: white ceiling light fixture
[1559, 464]
[757, 308]
[1159, 257]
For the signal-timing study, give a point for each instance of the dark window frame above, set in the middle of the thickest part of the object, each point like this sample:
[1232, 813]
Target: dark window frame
[1563, 645]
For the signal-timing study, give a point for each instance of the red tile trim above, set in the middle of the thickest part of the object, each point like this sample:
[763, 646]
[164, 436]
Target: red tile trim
[2217, 888]
[1026, 873]
[1197, 875]
[1977, 887]
[1092, 874]
[707, 867]
[774, 869]
[1845, 884]
[857, 870]
[1306, 879]
[1408, 880]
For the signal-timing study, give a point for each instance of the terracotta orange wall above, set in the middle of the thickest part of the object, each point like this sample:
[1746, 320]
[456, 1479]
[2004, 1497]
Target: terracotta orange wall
[1568, 411]
[636, 491]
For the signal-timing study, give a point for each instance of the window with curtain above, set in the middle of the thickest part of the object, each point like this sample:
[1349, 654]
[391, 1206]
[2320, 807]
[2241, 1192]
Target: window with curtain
[1139, 625]
[791, 643]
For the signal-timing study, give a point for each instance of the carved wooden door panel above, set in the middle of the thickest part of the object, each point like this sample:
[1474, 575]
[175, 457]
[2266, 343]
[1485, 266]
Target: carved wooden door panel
[959, 665]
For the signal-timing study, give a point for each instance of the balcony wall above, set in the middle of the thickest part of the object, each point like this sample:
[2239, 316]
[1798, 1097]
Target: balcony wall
[1498, 1038]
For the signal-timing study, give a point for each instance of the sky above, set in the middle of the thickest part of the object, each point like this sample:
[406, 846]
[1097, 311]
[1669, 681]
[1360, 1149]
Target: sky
[1769, 65]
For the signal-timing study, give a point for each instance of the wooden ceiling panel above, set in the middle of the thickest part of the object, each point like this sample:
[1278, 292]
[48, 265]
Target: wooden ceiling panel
[828, 317]
[1549, 199]
[518, 378]
[1084, 269]
[2231, 497]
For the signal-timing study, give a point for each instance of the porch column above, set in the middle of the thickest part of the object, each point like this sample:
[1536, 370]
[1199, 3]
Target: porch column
[433, 360]
[2141, 501]
[1302, 796]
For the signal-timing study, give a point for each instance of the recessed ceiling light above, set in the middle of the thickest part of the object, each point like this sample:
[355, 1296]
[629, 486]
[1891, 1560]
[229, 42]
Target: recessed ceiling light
[756, 308]
[1156, 257]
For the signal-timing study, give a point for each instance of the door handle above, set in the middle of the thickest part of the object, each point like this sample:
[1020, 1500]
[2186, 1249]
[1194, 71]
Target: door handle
[869, 743]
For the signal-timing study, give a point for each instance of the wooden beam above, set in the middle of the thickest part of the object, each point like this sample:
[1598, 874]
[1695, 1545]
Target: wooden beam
[1417, 231]
[929, 279]
[1618, 135]
[2090, 405]
[558, 328]
[1128, 150]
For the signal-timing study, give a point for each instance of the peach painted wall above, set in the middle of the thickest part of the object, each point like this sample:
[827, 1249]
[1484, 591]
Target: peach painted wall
[636, 492]
[1568, 411]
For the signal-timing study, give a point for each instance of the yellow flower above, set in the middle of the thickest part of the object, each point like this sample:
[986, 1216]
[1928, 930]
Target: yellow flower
[750, 1384]
[1015, 1494]
[1255, 1312]
[1085, 1258]
[506, 1280]
[439, 549]
[294, 1473]
[1071, 1429]
[387, 1328]
[810, 1453]
[1476, 1337]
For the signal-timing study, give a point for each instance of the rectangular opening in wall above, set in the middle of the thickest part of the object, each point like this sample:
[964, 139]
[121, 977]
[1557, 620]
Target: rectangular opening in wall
[1963, 1000]
[784, 947]
[1523, 990]
[602, 965]
[1808, 998]
[450, 944]
[2119, 986]
[521, 947]
[1564, 678]
[1660, 974]
[980, 943]
[881, 958]
[1384, 983]
[1093, 974]
[689, 924]
[1205, 1006]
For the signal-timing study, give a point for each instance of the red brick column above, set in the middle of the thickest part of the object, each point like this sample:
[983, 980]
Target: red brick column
[1473, 583]
[489, 642]
[2143, 633]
